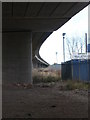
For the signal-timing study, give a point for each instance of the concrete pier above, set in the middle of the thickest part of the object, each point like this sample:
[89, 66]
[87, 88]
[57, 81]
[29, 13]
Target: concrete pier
[17, 57]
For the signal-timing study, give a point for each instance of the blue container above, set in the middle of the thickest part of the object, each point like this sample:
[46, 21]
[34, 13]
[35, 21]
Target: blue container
[75, 69]
[66, 70]
[89, 70]
[84, 71]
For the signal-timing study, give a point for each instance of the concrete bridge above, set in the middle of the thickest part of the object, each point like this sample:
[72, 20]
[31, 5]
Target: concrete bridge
[25, 26]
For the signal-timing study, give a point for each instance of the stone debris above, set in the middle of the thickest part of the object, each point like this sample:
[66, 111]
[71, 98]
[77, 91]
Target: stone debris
[51, 84]
[23, 85]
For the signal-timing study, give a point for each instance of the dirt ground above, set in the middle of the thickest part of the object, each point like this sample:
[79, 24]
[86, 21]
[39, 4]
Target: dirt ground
[42, 101]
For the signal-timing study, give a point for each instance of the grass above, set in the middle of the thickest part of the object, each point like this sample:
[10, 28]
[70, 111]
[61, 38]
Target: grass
[47, 79]
[42, 76]
[71, 85]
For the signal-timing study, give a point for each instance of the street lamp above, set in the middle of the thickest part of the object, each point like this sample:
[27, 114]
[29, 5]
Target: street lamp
[63, 46]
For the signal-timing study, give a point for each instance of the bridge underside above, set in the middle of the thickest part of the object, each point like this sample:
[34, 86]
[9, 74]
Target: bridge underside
[25, 27]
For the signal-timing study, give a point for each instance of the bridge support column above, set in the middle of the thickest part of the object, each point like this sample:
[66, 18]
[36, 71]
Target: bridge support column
[17, 57]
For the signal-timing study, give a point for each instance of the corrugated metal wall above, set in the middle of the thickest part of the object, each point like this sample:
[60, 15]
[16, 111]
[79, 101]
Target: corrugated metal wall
[84, 71]
[66, 70]
[89, 69]
[76, 70]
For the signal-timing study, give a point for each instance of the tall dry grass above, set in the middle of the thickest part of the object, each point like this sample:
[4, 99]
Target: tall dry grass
[43, 75]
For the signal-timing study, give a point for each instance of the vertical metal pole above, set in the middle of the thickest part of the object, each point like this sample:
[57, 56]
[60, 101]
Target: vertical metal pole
[63, 50]
[86, 41]
[0, 60]
[88, 49]
[63, 47]
[56, 58]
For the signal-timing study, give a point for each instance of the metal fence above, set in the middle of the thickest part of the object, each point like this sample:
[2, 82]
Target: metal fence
[66, 70]
[76, 70]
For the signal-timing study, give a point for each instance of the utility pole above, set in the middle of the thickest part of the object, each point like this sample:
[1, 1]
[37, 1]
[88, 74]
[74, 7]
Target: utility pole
[63, 46]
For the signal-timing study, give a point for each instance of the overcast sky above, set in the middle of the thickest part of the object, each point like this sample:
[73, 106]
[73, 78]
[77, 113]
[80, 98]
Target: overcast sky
[76, 27]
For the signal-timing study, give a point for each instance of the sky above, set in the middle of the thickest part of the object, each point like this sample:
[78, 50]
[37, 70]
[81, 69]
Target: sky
[52, 49]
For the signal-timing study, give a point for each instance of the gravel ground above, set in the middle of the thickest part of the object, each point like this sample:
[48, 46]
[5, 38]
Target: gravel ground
[44, 101]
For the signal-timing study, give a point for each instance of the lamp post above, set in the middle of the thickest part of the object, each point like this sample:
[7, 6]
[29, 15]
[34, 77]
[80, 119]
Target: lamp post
[63, 46]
